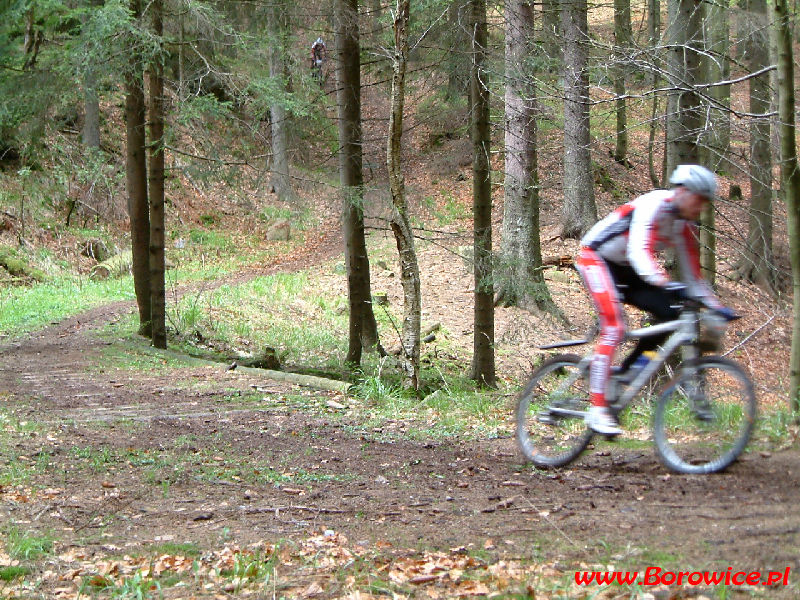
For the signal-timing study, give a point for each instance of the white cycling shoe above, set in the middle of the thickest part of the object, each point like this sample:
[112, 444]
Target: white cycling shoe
[600, 420]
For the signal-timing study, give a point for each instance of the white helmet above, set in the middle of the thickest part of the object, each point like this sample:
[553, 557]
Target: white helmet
[696, 179]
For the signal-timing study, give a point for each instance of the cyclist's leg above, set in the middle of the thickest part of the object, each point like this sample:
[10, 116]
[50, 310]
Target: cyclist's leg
[601, 285]
[649, 298]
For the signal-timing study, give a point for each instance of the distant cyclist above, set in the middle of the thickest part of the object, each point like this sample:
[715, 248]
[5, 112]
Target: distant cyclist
[318, 56]
[617, 262]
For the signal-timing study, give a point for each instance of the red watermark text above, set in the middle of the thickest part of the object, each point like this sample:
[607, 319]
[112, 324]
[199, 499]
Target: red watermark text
[657, 576]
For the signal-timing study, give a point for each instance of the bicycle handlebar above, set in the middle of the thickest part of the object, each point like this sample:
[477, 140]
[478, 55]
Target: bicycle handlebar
[699, 303]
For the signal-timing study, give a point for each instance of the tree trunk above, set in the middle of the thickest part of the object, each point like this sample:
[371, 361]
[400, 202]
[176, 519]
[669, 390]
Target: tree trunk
[790, 178]
[701, 61]
[520, 280]
[457, 59]
[483, 368]
[90, 135]
[708, 244]
[685, 121]
[674, 72]
[719, 69]
[622, 40]
[279, 31]
[400, 223]
[654, 33]
[136, 175]
[363, 330]
[181, 91]
[685, 124]
[33, 40]
[551, 34]
[756, 263]
[156, 181]
[91, 113]
[580, 211]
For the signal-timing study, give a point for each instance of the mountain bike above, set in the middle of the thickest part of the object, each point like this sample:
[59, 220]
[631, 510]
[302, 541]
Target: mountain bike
[318, 71]
[702, 418]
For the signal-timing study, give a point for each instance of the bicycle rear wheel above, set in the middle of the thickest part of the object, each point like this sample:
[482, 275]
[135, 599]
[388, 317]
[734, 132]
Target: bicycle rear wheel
[705, 416]
[550, 428]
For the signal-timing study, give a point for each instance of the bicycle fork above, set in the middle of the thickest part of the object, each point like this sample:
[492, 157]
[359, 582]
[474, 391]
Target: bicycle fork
[554, 411]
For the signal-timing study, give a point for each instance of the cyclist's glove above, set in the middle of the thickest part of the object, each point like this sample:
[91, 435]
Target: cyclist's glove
[679, 290]
[727, 313]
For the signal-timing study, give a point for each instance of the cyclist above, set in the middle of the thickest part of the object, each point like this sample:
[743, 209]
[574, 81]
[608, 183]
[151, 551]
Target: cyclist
[318, 52]
[617, 263]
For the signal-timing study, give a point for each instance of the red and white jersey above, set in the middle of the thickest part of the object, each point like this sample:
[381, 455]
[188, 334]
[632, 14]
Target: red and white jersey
[636, 231]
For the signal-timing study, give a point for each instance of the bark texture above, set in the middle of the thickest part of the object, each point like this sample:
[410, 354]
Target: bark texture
[90, 134]
[790, 177]
[483, 365]
[457, 60]
[156, 180]
[684, 119]
[400, 222]
[756, 263]
[622, 41]
[719, 69]
[136, 177]
[580, 211]
[654, 34]
[279, 116]
[520, 281]
[551, 33]
[363, 330]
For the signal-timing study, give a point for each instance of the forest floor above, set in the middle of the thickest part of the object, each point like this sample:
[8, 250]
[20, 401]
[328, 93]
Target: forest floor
[150, 472]
[140, 474]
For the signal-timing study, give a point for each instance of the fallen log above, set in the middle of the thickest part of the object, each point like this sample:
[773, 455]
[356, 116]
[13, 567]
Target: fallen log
[116, 266]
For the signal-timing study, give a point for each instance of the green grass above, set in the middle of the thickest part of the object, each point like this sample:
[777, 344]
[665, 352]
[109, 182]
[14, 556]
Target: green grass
[9, 423]
[130, 355]
[259, 472]
[26, 309]
[99, 460]
[209, 462]
[448, 211]
[207, 254]
[453, 409]
[135, 587]
[209, 240]
[278, 311]
[189, 549]
[12, 573]
[253, 569]
[300, 220]
[774, 427]
[25, 545]
[13, 470]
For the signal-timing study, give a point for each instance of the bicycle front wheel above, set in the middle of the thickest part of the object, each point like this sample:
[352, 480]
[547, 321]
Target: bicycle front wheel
[705, 416]
[550, 410]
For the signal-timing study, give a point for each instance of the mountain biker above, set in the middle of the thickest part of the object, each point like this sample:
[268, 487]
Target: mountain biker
[617, 263]
[318, 52]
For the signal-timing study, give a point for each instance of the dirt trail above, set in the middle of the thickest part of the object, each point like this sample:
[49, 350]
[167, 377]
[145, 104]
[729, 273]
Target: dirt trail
[428, 494]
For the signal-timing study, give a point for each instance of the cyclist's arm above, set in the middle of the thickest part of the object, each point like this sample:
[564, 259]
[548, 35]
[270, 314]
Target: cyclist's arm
[688, 252]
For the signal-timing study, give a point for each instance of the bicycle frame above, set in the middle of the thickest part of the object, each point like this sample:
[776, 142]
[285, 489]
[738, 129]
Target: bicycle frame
[684, 333]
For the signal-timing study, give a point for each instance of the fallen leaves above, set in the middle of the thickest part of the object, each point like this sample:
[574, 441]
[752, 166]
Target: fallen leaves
[304, 568]
[24, 495]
